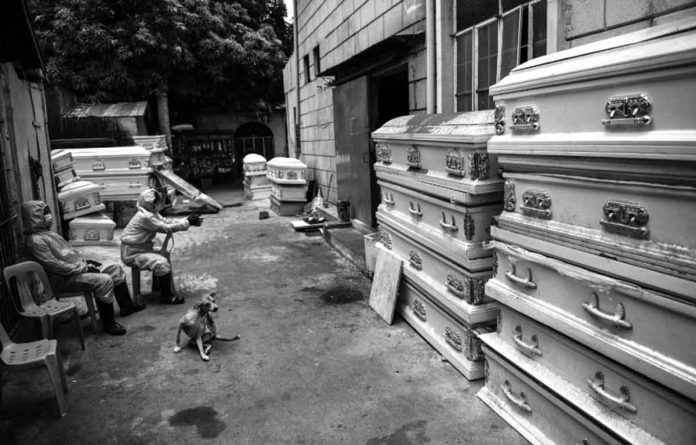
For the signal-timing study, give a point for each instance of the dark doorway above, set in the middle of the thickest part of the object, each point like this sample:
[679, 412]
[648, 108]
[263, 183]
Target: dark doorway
[253, 137]
[390, 98]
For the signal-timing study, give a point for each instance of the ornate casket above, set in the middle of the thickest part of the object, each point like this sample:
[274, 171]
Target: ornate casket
[256, 184]
[79, 198]
[92, 230]
[595, 247]
[288, 178]
[95, 162]
[61, 160]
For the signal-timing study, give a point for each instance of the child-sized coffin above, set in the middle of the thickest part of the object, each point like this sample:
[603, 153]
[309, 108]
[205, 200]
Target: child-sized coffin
[92, 230]
[80, 198]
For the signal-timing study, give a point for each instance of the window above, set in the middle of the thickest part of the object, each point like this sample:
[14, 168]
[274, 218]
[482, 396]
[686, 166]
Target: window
[493, 37]
[317, 66]
[305, 61]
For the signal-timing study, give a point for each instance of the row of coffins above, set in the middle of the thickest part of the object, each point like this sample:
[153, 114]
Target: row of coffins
[440, 188]
[80, 204]
[596, 244]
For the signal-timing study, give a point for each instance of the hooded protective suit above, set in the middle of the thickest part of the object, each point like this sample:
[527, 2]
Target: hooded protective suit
[64, 265]
[137, 246]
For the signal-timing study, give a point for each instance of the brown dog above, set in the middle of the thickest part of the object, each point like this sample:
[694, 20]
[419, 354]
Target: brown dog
[198, 324]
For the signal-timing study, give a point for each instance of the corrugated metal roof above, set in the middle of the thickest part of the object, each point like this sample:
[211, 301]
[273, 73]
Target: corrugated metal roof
[118, 109]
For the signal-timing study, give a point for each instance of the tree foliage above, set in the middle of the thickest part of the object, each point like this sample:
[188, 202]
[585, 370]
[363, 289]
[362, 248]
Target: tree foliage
[206, 54]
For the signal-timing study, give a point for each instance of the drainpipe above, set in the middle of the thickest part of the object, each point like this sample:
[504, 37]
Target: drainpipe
[298, 119]
[431, 57]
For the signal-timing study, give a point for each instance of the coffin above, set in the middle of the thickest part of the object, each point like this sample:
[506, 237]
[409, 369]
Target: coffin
[286, 208]
[92, 230]
[615, 109]
[152, 142]
[79, 198]
[640, 328]
[117, 186]
[289, 193]
[441, 150]
[628, 404]
[91, 162]
[65, 177]
[646, 225]
[287, 171]
[254, 165]
[61, 160]
[535, 412]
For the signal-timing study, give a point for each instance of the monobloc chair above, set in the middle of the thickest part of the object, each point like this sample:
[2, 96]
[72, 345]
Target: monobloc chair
[48, 310]
[18, 356]
[85, 298]
[165, 251]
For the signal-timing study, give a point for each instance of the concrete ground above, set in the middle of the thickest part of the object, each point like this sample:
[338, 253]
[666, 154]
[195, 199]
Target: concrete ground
[314, 365]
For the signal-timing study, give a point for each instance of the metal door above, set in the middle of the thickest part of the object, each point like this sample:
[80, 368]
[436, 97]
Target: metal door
[355, 179]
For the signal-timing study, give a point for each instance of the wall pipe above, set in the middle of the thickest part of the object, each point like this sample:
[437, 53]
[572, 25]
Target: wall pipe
[431, 57]
[298, 118]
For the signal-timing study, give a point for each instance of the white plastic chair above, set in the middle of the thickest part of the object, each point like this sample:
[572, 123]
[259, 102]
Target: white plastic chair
[18, 356]
[165, 251]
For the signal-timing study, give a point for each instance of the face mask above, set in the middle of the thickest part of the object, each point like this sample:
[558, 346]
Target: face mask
[48, 217]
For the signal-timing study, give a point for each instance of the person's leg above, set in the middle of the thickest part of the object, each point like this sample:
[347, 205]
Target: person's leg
[162, 271]
[101, 286]
[121, 292]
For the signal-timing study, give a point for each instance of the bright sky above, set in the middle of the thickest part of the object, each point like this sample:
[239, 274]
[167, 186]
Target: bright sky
[288, 4]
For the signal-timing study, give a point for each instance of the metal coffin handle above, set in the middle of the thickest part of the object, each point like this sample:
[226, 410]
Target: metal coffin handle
[389, 199]
[519, 401]
[621, 402]
[444, 225]
[617, 318]
[529, 349]
[414, 211]
[526, 282]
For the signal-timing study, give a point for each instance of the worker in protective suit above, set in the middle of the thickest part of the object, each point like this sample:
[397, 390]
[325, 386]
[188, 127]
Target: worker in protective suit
[137, 246]
[70, 272]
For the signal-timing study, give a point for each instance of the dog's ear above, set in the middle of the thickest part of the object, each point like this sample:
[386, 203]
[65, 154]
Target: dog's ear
[197, 306]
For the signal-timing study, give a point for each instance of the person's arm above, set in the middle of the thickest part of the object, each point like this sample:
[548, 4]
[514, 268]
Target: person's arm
[42, 252]
[154, 224]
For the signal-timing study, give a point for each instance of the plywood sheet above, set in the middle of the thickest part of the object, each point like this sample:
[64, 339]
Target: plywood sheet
[385, 284]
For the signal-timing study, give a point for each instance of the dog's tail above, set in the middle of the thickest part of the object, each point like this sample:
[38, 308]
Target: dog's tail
[236, 337]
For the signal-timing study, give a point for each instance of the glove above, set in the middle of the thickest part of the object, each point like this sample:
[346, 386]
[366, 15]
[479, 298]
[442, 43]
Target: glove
[195, 220]
[92, 269]
[93, 263]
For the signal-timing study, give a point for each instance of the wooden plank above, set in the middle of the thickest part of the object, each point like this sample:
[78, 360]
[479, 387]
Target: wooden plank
[385, 284]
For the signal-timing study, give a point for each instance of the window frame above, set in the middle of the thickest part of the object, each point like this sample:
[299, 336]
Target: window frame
[475, 29]
[317, 57]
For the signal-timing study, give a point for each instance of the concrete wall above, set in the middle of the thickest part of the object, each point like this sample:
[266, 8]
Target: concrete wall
[232, 121]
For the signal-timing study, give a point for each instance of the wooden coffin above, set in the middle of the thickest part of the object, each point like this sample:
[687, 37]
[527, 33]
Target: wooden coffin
[629, 405]
[451, 336]
[648, 331]
[535, 412]
[647, 225]
[80, 198]
[286, 171]
[463, 230]
[622, 108]
[119, 186]
[61, 160]
[92, 230]
[440, 151]
[457, 289]
[92, 162]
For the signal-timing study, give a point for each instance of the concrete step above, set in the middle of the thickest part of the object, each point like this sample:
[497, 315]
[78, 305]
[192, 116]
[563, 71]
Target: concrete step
[350, 243]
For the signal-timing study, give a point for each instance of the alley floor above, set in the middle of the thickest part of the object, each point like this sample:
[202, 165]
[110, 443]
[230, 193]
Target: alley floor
[314, 365]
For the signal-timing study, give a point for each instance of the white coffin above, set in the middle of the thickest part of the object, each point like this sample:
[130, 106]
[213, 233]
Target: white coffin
[461, 228]
[79, 198]
[287, 171]
[647, 331]
[621, 108]
[459, 290]
[256, 187]
[158, 158]
[151, 142]
[96, 161]
[121, 187]
[289, 193]
[65, 177]
[61, 160]
[453, 338]
[536, 413]
[647, 225]
[441, 150]
[92, 230]
[622, 401]
[254, 165]
[286, 208]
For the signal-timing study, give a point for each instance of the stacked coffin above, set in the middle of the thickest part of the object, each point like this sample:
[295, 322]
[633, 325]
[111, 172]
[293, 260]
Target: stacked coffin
[157, 146]
[596, 246]
[256, 184]
[80, 204]
[440, 190]
[288, 185]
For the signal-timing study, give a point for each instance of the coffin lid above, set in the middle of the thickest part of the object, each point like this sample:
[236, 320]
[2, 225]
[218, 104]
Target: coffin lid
[95, 220]
[78, 188]
[656, 48]
[131, 150]
[282, 162]
[473, 126]
[253, 158]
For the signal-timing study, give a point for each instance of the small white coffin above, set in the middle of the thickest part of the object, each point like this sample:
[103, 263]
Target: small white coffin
[80, 198]
[92, 230]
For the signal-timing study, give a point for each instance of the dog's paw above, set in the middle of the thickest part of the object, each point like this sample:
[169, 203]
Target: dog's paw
[205, 358]
[177, 349]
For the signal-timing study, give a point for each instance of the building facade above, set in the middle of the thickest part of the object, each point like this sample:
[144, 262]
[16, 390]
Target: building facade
[360, 63]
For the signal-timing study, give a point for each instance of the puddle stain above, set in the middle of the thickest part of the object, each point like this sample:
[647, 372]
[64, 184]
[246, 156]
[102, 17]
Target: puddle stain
[410, 434]
[341, 295]
[204, 418]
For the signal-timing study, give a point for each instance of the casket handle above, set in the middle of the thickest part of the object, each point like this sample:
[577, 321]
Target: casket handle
[389, 199]
[621, 402]
[444, 225]
[519, 401]
[413, 211]
[526, 282]
[529, 349]
[617, 318]
[134, 184]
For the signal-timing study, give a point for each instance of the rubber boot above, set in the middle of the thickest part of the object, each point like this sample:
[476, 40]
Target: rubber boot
[106, 310]
[125, 302]
[166, 294]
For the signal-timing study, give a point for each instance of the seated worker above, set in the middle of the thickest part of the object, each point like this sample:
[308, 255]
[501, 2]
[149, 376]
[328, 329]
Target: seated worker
[137, 247]
[70, 272]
